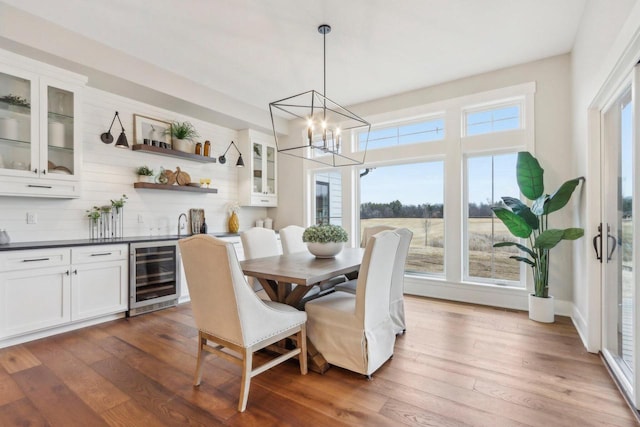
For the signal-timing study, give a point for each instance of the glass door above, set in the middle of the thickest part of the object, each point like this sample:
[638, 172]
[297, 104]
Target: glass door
[18, 156]
[59, 157]
[616, 242]
[256, 165]
[271, 170]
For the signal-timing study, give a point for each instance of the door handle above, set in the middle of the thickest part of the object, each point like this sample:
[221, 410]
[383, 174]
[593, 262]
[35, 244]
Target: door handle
[612, 247]
[597, 243]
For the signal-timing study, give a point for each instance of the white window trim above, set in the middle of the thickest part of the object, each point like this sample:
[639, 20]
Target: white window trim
[452, 149]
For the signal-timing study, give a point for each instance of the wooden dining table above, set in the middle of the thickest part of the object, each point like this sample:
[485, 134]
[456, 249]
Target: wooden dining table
[278, 273]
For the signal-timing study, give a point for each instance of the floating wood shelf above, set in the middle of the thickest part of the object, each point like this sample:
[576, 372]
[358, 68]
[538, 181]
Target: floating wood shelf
[172, 153]
[151, 186]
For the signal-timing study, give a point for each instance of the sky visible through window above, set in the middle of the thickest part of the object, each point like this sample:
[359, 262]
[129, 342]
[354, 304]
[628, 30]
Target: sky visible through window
[411, 184]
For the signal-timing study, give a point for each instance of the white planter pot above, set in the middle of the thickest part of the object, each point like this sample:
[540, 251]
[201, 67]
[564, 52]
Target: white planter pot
[541, 309]
[146, 178]
[325, 250]
[184, 145]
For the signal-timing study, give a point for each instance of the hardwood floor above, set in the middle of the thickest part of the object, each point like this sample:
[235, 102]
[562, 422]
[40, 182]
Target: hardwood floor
[458, 364]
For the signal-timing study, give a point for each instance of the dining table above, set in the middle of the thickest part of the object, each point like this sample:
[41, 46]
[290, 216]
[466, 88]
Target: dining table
[277, 275]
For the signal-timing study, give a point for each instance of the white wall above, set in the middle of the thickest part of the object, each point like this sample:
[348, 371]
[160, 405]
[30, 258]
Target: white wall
[603, 39]
[107, 173]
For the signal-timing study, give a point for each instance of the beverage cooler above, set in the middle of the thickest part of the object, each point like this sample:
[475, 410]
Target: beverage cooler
[154, 269]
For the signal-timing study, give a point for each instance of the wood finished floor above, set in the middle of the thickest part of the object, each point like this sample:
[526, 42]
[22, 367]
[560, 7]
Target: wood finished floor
[458, 365]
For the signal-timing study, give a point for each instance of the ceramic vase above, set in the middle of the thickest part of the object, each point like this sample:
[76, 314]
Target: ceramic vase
[234, 223]
[325, 250]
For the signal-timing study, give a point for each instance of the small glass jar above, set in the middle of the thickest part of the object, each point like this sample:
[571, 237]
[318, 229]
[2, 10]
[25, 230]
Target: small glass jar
[198, 148]
[207, 148]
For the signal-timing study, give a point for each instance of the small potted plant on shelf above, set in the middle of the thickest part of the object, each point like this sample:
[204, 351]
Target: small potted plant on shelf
[16, 101]
[145, 174]
[325, 240]
[182, 135]
[532, 223]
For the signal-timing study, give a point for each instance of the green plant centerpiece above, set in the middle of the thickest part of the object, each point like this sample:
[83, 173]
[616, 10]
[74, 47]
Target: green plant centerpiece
[183, 130]
[325, 240]
[532, 223]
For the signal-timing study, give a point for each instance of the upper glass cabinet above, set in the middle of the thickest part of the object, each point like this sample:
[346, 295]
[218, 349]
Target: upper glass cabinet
[258, 182]
[39, 128]
[16, 119]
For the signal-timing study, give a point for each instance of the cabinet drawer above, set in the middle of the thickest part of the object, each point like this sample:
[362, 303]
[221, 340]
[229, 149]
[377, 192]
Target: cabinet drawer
[37, 258]
[35, 187]
[101, 253]
[264, 200]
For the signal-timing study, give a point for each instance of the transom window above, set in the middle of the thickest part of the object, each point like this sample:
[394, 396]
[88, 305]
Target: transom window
[492, 120]
[409, 133]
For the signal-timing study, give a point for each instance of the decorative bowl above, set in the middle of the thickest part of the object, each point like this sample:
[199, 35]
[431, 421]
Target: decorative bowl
[325, 250]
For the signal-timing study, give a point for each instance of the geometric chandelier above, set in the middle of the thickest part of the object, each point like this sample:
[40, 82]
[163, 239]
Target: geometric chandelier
[327, 123]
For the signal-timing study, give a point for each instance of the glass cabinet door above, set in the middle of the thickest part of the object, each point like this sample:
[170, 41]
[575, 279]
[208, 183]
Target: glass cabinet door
[17, 154]
[257, 168]
[271, 170]
[60, 129]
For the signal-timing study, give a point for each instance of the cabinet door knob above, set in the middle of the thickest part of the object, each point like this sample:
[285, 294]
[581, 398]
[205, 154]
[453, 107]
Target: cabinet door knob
[44, 171]
[35, 171]
[66, 272]
[75, 272]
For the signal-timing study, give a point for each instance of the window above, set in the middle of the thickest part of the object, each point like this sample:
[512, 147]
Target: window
[411, 196]
[328, 198]
[322, 202]
[488, 179]
[410, 133]
[492, 120]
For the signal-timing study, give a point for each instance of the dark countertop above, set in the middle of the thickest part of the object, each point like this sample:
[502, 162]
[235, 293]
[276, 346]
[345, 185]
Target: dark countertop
[92, 242]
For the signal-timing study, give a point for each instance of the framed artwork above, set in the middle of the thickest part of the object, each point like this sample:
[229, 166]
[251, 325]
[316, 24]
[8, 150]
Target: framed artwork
[150, 131]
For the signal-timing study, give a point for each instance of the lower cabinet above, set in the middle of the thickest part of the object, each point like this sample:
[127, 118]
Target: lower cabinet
[34, 299]
[98, 281]
[41, 289]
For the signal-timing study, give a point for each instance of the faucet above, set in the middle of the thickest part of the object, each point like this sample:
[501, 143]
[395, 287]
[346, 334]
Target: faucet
[181, 226]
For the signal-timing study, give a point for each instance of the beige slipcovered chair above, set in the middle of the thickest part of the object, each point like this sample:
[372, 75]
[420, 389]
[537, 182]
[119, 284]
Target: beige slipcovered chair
[370, 231]
[355, 331]
[229, 314]
[291, 239]
[396, 298]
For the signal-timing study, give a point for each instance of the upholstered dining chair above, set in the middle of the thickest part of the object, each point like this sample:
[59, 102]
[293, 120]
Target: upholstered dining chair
[259, 242]
[396, 298]
[230, 315]
[291, 239]
[355, 331]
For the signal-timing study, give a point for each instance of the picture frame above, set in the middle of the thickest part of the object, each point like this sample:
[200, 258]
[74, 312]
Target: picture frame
[146, 130]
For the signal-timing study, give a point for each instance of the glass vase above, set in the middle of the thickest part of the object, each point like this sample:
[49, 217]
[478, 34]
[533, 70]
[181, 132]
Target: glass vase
[234, 223]
[105, 225]
[94, 228]
[117, 222]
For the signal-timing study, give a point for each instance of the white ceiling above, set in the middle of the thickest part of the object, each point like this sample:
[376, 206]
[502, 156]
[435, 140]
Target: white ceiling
[259, 51]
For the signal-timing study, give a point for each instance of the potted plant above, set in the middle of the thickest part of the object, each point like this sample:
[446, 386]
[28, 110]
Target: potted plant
[325, 240]
[532, 223]
[145, 174]
[182, 135]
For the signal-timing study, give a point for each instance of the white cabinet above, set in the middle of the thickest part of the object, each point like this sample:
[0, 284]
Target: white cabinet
[257, 181]
[98, 281]
[40, 129]
[41, 289]
[34, 290]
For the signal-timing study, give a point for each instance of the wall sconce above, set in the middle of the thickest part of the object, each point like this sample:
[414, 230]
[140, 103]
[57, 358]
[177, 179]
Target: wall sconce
[107, 138]
[222, 159]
